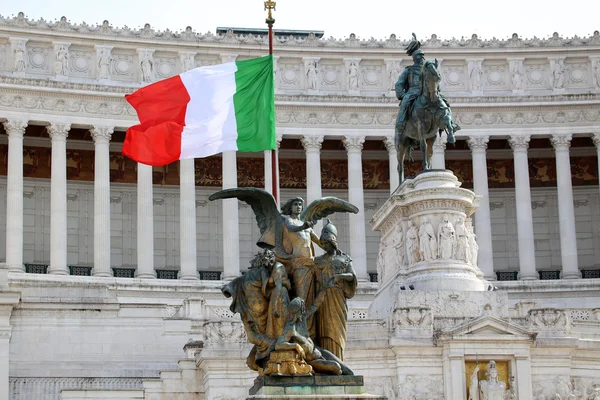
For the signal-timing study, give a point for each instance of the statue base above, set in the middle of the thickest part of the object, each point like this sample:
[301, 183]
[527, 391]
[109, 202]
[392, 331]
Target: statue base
[320, 387]
[427, 239]
[287, 363]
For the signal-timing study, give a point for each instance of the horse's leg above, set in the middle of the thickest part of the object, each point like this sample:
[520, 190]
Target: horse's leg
[400, 152]
[424, 152]
[430, 150]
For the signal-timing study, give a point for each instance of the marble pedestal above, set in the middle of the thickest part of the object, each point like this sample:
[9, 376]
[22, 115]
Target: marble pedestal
[427, 240]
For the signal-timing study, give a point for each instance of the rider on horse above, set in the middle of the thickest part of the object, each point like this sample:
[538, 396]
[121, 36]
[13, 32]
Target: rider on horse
[409, 87]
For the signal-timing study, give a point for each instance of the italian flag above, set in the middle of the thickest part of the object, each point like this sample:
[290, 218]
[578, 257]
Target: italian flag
[204, 111]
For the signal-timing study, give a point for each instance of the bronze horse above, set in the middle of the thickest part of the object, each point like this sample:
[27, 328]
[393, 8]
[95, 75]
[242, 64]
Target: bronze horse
[428, 115]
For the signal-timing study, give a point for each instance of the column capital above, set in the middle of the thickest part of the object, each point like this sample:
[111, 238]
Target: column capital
[15, 127]
[228, 57]
[353, 143]
[58, 131]
[278, 139]
[519, 143]
[102, 134]
[439, 145]
[561, 142]
[478, 143]
[596, 139]
[312, 142]
[390, 143]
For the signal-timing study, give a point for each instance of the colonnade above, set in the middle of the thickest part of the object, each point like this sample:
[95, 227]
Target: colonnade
[101, 135]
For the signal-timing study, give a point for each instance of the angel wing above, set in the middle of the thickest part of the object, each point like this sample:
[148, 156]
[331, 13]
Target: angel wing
[264, 208]
[326, 206]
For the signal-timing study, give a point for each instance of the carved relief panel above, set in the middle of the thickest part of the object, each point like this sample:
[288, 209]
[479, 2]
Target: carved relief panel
[165, 65]
[81, 61]
[332, 75]
[455, 77]
[123, 65]
[372, 76]
[537, 74]
[39, 56]
[3, 55]
[203, 61]
[577, 73]
[495, 75]
[290, 74]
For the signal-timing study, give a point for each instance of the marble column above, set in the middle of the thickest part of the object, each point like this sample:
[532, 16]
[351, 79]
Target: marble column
[58, 199]
[438, 160]
[358, 245]
[566, 210]
[390, 145]
[101, 136]
[187, 219]
[527, 270]
[312, 146]
[145, 223]
[231, 233]
[483, 221]
[14, 195]
[596, 139]
[268, 171]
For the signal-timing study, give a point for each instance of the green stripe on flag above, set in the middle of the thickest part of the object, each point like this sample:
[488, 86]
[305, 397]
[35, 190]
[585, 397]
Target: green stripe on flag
[254, 104]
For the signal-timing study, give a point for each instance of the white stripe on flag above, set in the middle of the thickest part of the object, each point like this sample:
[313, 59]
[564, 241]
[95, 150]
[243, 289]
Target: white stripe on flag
[210, 125]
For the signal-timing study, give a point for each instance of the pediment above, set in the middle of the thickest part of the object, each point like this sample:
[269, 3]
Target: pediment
[487, 327]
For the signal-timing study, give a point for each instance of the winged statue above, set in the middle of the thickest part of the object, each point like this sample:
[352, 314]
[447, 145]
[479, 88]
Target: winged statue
[289, 232]
[288, 269]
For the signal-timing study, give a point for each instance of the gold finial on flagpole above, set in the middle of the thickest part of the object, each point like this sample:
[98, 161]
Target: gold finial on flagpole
[270, 6]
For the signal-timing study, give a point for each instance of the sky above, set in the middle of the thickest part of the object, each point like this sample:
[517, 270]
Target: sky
[337, 18]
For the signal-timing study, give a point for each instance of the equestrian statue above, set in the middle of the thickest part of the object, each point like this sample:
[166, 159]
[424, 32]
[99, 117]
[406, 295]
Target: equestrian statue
[424, 111]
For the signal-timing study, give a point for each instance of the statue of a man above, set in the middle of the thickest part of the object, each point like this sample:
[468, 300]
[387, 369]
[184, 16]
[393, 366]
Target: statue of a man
[409, 85]
[428, 242]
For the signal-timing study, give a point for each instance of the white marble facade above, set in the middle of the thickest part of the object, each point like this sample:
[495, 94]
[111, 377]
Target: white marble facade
[74, 337]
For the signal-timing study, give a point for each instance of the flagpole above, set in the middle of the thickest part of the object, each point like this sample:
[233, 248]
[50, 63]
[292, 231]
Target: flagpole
[270, 6]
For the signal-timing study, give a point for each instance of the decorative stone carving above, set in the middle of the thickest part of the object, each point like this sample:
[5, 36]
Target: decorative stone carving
[188, 60]
[393, 72]
[58, 131]
[519, 143]
[516, 73]
[105, 61]
[475, 69]
[353, 74]
[558, 73]
[596, 71]
[146, 65]
[428, 249]
[312, 142]
[311, 69]
[421, 387]
[353, 143]
[413, 253]
[102, 134]
[548, 319]
[446, 239]
[463, 241]
[411, 318]
[431, 198]
[564, 388]
[561, 142]
[15, 127]
[473, 246]
[381, 260]
[222, 333]
[18, 50]
[61, 61]
[399, 247]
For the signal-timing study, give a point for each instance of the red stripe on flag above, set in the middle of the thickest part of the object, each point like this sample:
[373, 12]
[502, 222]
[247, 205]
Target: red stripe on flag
[161, 109]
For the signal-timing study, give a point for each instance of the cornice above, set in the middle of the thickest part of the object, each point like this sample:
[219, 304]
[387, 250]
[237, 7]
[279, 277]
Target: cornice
[63, 27]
